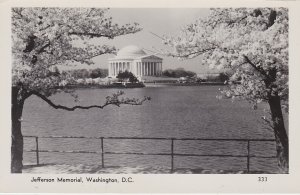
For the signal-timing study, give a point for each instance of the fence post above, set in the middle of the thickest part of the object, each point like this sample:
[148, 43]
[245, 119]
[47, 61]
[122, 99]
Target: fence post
[248, 156]
[172, 155]
[37, 150]
[102, 152]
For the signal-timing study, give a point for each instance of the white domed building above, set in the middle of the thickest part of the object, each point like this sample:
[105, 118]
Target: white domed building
[135, 60]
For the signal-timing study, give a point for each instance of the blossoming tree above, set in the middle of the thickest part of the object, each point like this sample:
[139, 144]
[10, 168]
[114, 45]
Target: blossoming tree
[45, 37]
[253, 45]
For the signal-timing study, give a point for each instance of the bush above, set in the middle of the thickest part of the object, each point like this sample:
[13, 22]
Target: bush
[127, 76]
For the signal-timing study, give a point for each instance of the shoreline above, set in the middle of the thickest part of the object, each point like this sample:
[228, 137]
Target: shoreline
[148, 84]
[140, 85]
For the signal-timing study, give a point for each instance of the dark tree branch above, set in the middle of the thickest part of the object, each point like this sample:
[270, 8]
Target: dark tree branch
[42, 49]
[91, 56]
[91, 34]
[231, 22]
[260, 70]
[48, 26]
[114, 100]
[272, 18]
[193, 53]
[256, 13]
[30, 44]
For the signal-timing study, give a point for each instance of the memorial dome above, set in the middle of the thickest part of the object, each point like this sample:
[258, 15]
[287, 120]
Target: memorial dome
[130, 51]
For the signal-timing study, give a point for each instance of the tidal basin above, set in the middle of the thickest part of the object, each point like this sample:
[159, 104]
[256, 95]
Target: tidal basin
[174, 111]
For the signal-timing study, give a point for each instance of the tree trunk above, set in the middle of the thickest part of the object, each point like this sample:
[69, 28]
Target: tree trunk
[282, 143]
[16, 134]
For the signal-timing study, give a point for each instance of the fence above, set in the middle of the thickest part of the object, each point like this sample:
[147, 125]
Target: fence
[172, 142]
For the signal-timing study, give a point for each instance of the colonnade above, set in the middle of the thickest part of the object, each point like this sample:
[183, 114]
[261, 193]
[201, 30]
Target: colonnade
[137, 68]
[116, 67]
[148, 68]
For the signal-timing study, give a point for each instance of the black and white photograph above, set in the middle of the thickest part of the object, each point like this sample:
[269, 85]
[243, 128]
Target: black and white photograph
[166, 91]
[97, 90]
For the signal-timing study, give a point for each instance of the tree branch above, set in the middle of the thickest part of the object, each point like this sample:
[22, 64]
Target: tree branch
[110, 100]
[272, 18]
[260, 70]
[42, 49]
[231, 22]
[193, 53]
[91, 34]
[92, 56]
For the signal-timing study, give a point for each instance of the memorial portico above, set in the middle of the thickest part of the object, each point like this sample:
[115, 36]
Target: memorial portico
[135, 60]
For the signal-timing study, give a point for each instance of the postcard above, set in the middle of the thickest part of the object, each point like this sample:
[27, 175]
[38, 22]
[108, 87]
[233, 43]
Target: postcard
[149, 96]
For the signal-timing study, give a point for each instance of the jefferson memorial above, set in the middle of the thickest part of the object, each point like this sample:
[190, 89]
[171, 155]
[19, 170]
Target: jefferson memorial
[135, 60]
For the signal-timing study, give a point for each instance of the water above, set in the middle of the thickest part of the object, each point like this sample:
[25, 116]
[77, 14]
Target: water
[174, 111]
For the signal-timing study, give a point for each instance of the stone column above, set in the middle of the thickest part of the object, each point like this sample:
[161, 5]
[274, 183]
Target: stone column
[140, 68]
[113, 69]
[152, 68]
[158, 68]
[109, 69]
[148, 68]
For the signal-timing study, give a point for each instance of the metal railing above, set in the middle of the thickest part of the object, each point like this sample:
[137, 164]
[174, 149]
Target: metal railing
[172, 142]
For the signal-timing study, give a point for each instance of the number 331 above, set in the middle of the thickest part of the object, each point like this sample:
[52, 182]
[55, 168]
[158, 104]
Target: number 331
[262, 179]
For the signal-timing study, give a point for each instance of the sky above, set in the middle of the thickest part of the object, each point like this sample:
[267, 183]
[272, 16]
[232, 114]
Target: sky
[161, 21]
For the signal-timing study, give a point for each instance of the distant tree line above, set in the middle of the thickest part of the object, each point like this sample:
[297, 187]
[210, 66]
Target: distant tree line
[177, 73]
[180, 72]
[91, 73]
[222, 77]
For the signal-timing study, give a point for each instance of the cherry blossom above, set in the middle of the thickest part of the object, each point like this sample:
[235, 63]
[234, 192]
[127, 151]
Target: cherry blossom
[43, 38]
[251, 44]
